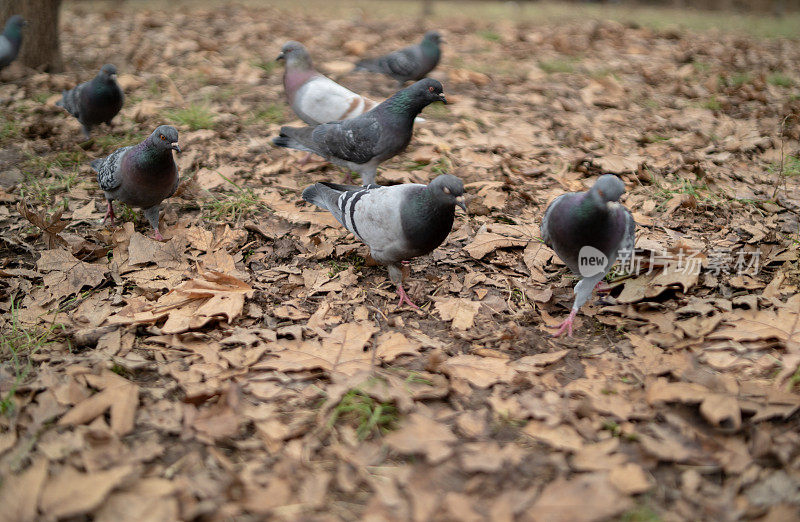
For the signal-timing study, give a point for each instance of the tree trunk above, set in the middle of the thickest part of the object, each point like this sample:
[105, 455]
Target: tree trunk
[41, 49]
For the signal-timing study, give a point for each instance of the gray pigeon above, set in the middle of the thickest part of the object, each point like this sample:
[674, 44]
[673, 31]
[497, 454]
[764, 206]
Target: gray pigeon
[360, 144]
[588, 231]
[410, 63]
[10, 40]
[141, 175]
[397, 223]
[96, 101]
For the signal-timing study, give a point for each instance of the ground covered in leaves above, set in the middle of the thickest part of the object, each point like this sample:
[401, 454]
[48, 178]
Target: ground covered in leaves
[254, 364]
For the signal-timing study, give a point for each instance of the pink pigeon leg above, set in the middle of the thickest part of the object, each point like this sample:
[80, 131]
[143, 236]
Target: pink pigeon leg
[109, 212]
[157, 236]
[404, 298]
[566, 325]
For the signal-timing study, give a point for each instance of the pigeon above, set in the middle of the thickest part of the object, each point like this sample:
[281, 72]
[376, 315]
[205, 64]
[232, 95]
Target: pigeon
[397, 222]
[313, 97]
[588, 231]
[141, 175]
[96, 101]
[410, 63]
[360, 144]
[10, 40]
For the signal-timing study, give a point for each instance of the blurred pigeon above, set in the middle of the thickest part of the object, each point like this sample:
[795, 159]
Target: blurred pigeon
[410, 63]
[360, 144]
[10, 40]
[141, 175]
[313, 97]
[397, 223]
[96, 101]
[589, 230]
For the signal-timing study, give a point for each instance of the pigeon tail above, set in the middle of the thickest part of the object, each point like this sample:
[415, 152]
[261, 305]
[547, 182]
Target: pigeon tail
[298, 138]
[326, 195]
[96, 164]
[367, 65]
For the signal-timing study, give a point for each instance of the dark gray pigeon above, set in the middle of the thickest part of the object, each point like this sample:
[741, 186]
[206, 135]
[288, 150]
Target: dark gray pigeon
[397, 223]
[588, 231]
[360, 144]
[410, 63]
[10, 40]
[96, 101]
[141, 175]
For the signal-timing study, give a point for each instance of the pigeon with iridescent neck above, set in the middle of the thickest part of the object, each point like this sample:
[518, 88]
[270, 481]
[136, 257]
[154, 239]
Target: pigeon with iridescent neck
[410, 63]
[141, 175]
[589, 231]
[11, 40]
[397, 223]
[360, 144]
[96, 101]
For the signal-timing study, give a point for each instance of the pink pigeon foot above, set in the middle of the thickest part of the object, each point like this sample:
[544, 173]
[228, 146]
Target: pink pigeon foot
[566, 325]
[157, 236]
[404, 298]
[109, 213]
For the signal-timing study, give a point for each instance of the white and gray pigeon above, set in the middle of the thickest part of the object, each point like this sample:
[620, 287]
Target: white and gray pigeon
[586, 229]
[362, 143]
[313, 97]
[11, 40]
[397, 223]
[141, 175]
[96, 101]
[410, 63]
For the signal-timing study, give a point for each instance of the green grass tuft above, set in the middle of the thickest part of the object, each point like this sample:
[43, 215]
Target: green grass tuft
[791, 167]
[780, 80]
[340, 264]
[558, 65]
[267, 67]
[197, 116]
[233, 206]
[272, 113]
[735, 80]
[368, 415]
[18, 343]
[712, 104]
[490, 35]
[641, 513]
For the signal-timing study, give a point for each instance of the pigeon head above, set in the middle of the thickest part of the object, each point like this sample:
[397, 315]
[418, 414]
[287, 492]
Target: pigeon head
[295, 55]
[424, 92]
[608, 188]
[165, 137]
[448, 190]
[14, 26]
[432, 37]
[108, 73]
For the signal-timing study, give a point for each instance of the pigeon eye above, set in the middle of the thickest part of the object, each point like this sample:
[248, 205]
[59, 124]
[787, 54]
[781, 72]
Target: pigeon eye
[445, 190]
[430, 88]
[163, 138]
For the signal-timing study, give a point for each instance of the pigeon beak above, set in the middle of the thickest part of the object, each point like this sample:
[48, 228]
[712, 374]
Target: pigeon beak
[113, 76]
[175, 147]
[443, 99]
[280, 57]
[461, 202]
